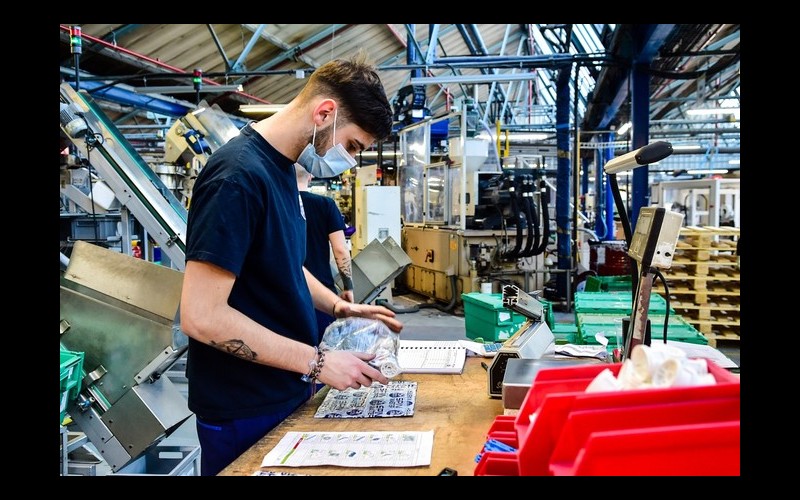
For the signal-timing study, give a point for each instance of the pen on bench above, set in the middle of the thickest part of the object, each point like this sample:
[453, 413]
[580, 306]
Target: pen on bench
[485, 366]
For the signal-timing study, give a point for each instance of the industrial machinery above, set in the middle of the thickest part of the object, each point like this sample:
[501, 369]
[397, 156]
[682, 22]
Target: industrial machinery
[188, 144]
[531, 341]
[468, 219]
[120, 312]
[374, 267]
[139, 190]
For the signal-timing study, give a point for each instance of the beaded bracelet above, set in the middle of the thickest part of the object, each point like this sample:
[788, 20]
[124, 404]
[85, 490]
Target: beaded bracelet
[315, 366]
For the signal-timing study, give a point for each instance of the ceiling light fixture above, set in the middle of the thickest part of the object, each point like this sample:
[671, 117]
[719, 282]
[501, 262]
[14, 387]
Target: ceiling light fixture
[713, 111]
[511, 77]
[624, 128]
[708, 171]
[374, 154]
[187, 89]
[261, 109]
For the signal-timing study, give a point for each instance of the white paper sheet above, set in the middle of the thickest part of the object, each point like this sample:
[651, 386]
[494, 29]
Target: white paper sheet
[352, 449]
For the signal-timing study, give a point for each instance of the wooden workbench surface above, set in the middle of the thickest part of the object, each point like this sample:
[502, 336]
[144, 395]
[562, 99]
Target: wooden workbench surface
[456, 407]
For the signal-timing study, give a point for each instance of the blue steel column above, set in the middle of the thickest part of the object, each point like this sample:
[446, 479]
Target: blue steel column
[411, 50]
[640, 113]
[600, 190]
[609, 203]
[563, 226]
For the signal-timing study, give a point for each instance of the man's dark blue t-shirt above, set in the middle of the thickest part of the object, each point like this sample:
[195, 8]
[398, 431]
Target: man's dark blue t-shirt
[245, 217]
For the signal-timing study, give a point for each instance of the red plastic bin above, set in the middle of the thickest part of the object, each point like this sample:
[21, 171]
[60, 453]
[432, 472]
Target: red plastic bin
[558, 392]
[653, 421]
[684, 450]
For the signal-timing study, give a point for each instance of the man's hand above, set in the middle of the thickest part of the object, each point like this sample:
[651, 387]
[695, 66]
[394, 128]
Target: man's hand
[348, 309]
[347, 295]
[343, 369]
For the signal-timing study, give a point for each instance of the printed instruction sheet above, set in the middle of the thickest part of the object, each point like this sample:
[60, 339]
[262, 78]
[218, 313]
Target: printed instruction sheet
[352, 449]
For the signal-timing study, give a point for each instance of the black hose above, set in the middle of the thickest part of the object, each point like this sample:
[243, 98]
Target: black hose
[517, 215]
[398, 310]
[537, 243]
[545, 219]
[666, 294]
[412, 309]
[529, 222]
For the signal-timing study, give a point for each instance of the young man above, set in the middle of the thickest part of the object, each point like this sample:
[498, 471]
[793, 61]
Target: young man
[247, 302]
[324, 233]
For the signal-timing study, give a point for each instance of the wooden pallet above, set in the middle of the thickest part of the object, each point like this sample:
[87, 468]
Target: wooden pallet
[704, 268]
[714, 325]
[681, 278]
[706, 312]
[708, 233]
[685, 294]
[715, 338]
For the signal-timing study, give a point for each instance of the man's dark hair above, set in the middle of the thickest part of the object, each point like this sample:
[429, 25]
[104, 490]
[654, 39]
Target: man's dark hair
[358, 90]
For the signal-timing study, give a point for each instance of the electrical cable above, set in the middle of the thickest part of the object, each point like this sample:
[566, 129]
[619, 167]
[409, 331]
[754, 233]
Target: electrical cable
[545, 211]
[666, 295]
[91, 139]
[517, 214]
[527, 203]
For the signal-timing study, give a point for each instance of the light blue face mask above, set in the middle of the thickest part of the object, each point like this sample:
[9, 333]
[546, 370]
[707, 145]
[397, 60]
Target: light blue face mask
[335, 161]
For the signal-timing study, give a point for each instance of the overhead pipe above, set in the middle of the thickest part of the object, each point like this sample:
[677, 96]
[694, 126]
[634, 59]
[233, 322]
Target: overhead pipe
[696, 131]
[156, 62]
[535, 61]
[667, 121]
[129, 98]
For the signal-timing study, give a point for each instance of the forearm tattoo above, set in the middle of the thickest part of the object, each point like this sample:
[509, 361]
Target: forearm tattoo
[236, 347]
[346, 271]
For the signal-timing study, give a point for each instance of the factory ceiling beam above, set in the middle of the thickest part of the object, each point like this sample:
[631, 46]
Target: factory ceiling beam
[125, 29]
[238, 65]
[220, 48]
[293, 52]
[652, 38]
[433, 40]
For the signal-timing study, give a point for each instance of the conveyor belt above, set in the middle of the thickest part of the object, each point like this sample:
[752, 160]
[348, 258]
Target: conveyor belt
[134, 183]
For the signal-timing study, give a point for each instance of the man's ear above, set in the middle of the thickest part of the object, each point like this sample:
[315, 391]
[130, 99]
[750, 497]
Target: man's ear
[324, 111]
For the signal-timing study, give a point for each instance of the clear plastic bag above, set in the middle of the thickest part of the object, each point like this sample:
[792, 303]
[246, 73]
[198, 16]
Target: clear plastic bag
[365, 335]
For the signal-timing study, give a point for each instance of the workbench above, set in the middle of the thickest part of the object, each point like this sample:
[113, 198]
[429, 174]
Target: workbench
[456, 407]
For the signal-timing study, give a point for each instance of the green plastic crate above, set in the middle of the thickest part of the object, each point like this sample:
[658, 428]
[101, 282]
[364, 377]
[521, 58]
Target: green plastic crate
[486, 318]
[608, 284]
[657, 319]
[71, 375]
[678, 329]
[614, 302]
[481, 331]
[565, 333]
